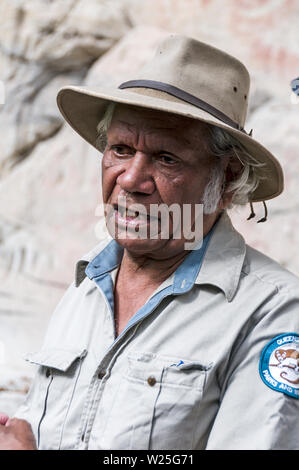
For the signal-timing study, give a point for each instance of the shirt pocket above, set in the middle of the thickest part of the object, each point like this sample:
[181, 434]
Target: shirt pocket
[52, 392]
[161, 395]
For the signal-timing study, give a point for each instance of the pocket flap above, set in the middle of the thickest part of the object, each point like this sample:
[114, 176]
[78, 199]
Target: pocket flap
[60, 359]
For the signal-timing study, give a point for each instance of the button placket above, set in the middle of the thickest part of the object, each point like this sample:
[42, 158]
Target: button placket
[87, 412]
[96, 389]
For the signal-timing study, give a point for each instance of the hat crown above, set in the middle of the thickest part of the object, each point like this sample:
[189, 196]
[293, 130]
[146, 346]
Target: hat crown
[202, 71]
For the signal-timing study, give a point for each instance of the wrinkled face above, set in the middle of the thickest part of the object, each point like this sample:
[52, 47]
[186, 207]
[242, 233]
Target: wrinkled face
[153, 158]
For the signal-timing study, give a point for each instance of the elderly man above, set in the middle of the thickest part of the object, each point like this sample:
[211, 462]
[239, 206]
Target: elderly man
[156, 345]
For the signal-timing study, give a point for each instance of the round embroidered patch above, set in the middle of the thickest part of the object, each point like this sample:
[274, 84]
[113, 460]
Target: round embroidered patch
[279, 364]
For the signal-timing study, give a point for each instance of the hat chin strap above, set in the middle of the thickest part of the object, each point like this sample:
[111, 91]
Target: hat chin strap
[252, 214]
[184, 96]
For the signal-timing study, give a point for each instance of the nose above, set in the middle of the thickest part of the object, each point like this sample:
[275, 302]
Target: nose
[137, 175]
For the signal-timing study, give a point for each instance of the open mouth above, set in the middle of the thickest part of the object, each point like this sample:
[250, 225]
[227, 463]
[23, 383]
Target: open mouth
[130, 215]
[134, 220]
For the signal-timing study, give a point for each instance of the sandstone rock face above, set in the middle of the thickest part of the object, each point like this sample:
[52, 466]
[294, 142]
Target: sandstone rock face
[61, 35]
[50, 178]
[41, 40]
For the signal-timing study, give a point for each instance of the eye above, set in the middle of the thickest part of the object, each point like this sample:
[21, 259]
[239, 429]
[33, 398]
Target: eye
[121, 150]
[167, 159]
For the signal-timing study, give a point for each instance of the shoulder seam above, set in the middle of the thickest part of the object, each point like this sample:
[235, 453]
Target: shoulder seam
[278, 289]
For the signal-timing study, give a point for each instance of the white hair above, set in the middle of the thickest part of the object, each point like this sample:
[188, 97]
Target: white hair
[103, 126]
[213, 190]
[221, 144]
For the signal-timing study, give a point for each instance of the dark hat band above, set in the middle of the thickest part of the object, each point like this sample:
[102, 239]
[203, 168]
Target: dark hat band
[184, 96]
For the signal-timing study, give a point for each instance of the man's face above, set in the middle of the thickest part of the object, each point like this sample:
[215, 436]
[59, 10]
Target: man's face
[154, 158]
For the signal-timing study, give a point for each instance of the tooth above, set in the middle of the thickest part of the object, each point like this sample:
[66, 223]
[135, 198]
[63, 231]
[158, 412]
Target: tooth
[131, 213]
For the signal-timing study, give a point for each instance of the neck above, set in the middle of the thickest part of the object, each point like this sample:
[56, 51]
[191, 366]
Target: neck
[155, 271]
[150, 268]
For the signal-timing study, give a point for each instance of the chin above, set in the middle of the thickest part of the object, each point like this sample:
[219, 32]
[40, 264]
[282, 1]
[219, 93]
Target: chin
[141, 246]
[155, 249]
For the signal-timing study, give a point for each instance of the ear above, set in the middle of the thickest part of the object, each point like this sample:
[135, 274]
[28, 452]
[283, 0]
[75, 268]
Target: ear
[227, 196]
[226, 200]
[232, 171]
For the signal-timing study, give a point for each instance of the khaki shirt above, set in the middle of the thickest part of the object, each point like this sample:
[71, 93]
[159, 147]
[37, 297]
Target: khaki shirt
[193, 369]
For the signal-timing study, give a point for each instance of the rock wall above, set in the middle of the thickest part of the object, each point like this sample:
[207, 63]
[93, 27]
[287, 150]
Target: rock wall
[49, 177]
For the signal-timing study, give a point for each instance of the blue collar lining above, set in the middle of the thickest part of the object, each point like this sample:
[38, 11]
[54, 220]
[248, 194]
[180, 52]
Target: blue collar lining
[185, 275]
[110, 257]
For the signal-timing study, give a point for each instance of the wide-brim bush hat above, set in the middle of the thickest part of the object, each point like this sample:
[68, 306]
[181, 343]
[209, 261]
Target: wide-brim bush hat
[185, 77]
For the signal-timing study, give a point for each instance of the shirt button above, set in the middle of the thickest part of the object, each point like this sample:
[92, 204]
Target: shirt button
[101, 374]
[151, 381]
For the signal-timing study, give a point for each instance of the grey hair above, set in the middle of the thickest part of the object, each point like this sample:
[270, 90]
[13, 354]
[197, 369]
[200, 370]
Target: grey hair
[243, 185]
[103, 126]
[221, 144]
[213, 190]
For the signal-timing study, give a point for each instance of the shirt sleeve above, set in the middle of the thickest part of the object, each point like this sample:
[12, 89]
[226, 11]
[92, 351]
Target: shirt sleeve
[254, 415]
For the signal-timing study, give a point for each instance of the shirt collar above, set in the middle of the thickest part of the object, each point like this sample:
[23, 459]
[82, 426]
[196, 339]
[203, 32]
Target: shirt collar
[110, 257]
[218, 262]
[223, 261]
[87, 258]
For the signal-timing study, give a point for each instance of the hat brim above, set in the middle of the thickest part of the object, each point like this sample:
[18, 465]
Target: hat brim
[83, 108]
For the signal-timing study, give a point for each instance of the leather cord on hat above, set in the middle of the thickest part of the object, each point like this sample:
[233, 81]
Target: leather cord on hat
[263, 219]
[184, 96]
[252, 213]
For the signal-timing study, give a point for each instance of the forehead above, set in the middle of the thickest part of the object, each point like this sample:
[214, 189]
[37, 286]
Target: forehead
[134, 120]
